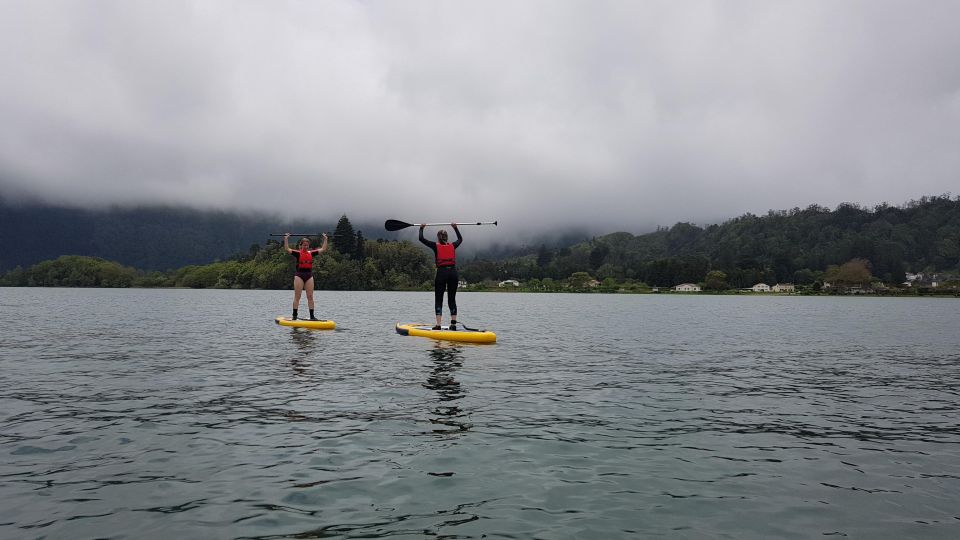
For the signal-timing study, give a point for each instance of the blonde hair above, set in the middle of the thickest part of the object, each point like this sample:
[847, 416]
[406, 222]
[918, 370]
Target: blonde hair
[442, 235]
[304, 239]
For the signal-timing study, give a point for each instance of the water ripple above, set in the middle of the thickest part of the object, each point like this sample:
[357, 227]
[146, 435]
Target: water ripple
[594, 416]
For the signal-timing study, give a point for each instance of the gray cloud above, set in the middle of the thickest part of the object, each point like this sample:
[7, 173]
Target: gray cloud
[613, 115]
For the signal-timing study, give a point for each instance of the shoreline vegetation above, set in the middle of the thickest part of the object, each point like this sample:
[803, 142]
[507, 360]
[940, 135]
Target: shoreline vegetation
[273, 272]
[910, 250]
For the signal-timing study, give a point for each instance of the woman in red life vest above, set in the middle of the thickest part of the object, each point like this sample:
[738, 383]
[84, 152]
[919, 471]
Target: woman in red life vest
[445, 256]
[303, 278]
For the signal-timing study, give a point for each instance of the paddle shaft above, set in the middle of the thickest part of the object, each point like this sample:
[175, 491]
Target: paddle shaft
[457, 224]
[396, 225]
[303, 234]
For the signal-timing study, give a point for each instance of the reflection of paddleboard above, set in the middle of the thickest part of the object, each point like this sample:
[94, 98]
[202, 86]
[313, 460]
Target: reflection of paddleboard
[301, 323]
[460, 334]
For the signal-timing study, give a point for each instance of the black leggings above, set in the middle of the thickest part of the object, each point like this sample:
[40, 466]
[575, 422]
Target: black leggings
[446, 279]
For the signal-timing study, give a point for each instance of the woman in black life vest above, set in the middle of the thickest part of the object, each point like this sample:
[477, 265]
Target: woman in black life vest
[303, 277]
[445, 256]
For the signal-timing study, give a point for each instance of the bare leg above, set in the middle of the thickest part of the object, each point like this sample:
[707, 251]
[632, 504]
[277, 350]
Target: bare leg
[309, 287]
[297, 288]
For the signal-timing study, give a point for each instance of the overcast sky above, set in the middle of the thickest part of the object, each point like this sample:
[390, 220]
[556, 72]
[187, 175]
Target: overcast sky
[542, 114]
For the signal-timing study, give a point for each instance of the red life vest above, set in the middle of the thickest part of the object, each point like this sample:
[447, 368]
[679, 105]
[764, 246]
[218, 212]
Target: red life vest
[305, 260]
[446, 255]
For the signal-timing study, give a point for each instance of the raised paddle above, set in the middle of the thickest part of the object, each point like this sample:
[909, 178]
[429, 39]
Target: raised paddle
[303, 234]
[396, 225]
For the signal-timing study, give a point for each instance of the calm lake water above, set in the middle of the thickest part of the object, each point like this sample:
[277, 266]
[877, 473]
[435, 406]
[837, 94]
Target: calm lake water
[190, 414]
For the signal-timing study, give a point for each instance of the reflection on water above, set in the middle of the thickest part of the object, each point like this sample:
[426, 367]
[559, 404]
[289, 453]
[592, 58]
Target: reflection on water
[446, 359]
[305, 340]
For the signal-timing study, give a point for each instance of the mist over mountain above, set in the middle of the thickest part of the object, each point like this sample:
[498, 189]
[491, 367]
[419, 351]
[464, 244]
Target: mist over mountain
[147, 237]
[165, 237]
[541, 114]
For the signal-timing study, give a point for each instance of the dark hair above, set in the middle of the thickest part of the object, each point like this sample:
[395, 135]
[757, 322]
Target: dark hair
[442, 235]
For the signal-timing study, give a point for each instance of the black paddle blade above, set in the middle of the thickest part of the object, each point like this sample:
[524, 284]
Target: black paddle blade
[395, 225]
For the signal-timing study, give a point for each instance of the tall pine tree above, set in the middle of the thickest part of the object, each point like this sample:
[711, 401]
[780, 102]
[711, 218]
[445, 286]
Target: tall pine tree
[344, 240]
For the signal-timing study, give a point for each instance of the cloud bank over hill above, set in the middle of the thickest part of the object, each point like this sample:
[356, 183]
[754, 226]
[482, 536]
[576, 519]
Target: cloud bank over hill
[609, 115]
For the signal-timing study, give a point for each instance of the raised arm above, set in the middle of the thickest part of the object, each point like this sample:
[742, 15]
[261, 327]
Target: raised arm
[424, 241]
[286, 243]
[459, 238]
[323, 246]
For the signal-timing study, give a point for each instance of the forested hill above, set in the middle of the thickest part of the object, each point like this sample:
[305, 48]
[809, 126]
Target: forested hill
[781, 246]
[147, 238]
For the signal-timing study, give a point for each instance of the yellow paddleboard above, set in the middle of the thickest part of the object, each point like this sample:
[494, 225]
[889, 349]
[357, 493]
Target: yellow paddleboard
[302, 323]
[460, 334]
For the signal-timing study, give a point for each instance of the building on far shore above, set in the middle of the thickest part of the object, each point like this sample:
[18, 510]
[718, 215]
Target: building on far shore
[783, 287]
[923, 280]
[760, 287]
[687, 287]
[509, 282]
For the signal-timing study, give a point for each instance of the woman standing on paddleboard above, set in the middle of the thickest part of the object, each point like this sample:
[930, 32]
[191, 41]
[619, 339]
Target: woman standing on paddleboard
[303, 278]
[445, 256]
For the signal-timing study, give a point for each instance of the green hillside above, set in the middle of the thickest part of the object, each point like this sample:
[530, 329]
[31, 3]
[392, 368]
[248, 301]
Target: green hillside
[781, 246]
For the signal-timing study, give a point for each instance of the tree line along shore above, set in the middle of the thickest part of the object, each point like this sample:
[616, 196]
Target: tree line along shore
[910, 249]
[403, 266]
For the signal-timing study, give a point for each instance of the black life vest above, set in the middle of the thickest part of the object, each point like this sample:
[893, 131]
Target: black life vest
[446, 255]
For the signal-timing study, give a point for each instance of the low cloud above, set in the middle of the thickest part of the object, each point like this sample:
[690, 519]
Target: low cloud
[544, 115]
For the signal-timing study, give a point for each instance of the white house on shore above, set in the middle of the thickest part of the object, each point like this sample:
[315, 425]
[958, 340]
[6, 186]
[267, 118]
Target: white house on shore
[687, 287]
[783, 287]
[509, 283]
[760, 287]
[925, 280]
